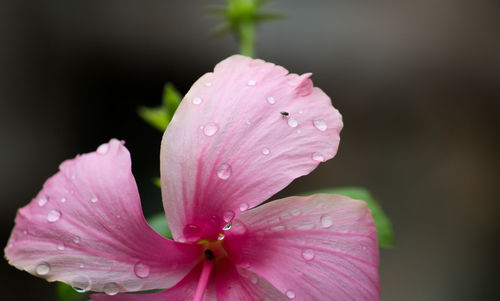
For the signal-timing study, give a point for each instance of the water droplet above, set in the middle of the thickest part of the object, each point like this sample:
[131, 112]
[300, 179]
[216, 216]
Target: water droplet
[141, 270]
[61, 246]
[308, 254]
[221, 236]
[94, 199]
[81, 265]
[42, 268]
[224, 171]
[295, 212]
[271, 100]
[292, 122]
[103, 149]
[244, 207]
[228, 216]
[210, 129]
[111, 288]
[318, 157]
[245, 264]
[265, 151]
[254, 279]
[251, 82]
[320, 124]
[181, 239]
[76, 239]
[63, 200]
[227, 227]
[208, 84]
[192, 232]
[42, 201]
[197, 100]
[132, 284]
[299, 132]
[25, 232]
[73, 177]
[53, 216]
[81, 284]
[326, 220]
[290, 294]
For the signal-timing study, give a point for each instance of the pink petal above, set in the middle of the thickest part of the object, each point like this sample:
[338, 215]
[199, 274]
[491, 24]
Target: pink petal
[320, 247]
[86, 228]
[184, 290]
[229, 148]
[236, 283]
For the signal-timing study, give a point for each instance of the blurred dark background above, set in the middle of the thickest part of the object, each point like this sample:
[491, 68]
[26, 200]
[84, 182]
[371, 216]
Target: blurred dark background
[418, 84]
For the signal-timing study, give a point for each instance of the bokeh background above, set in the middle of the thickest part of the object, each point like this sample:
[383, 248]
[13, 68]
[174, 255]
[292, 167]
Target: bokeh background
[418, 84]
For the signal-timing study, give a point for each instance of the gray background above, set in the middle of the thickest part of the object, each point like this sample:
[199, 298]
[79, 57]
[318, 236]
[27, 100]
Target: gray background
[416, 81]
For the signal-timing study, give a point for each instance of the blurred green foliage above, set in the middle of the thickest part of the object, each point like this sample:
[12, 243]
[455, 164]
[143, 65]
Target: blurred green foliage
[159, 117]
[382, 222]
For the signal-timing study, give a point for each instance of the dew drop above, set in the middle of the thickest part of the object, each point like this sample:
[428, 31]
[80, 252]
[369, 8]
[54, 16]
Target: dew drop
[271, 100]
[197, 100]
[53, 216]
[265, 151]
[228, 216]
[320, 124]
[192, 232]
[94, 199]
[318, 157]
[111, 288]
[61, 247]
[42, 201]
[254, 279]
[224, 171]
[293, 122]
[208, 84]
[76, 239]
[299, 132]
[210, 129]
[25, 232]
[141, 270]
[221, 236]
[42, 268]
[81, 265]
[103, 149]
[290, 294]
[326, 220]
[81, 284]
[132, 284]
[308, 254]
[227, 227]
[251, 82]
[63, 200]
[244, 207]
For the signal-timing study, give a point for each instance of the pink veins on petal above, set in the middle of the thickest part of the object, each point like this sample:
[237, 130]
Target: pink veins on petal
[241, 134]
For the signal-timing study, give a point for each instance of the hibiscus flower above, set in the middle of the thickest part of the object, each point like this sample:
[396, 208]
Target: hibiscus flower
[241, 134]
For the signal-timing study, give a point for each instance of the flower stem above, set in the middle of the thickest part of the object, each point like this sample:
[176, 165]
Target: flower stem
[204, 276]
[246, 34]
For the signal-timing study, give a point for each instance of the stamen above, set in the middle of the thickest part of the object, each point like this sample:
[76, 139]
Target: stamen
[208, 264]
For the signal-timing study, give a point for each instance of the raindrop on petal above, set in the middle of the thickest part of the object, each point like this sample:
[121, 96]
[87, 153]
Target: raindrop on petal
[60, 246]
[94, 199]
[227, 227]
[318, 157]
[320, 124]
[103, 149]
[326, 220]
[224, 171]
[271, 100]
[76, 239]
[141, 270]
[254, 279]
[197, 100]
[244, 207]
[265, 151]
[221, 236]
[308, 254]
[192, 232]
[111, 288]
[210, 129]
[42, 201]
[251, 82]
[42, 268]
[290, 294]
[81, 284]
[63, 200]
[53, 216]
[292, 122]
[208, 84]
[228, 216]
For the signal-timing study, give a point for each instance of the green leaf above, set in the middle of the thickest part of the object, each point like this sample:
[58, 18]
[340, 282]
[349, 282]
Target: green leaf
[382, 222]
[65, 292]
[159, 223]
[157, 182]
[159, 117]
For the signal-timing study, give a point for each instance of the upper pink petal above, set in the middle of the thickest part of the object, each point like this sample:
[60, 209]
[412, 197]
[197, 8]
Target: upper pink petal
[322, 247]
[86, 228]
[240, 135]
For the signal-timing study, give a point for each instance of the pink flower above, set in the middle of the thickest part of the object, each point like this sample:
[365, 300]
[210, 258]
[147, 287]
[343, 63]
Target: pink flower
[241, 134]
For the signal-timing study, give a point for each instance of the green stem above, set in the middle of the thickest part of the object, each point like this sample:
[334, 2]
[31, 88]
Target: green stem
[246, 35]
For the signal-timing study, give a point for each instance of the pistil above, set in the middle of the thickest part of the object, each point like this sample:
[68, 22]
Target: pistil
[208, 264]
